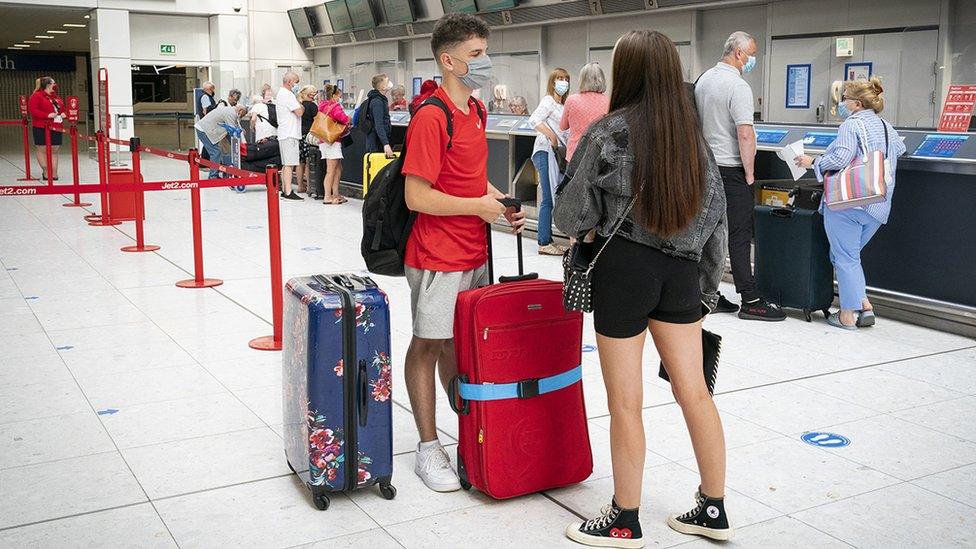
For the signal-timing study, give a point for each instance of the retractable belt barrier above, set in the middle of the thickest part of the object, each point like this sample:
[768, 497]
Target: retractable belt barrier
[105, 186]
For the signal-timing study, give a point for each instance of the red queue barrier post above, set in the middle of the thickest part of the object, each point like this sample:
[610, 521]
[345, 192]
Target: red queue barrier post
[273, 342]
[27, 158]
[103, 219]
[198, 281]
[141, 245]
[48, 152]
[73, 131]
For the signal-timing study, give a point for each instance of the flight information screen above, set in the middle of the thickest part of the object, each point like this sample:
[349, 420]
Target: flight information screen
[819, 139]
[937, 145]
[770, 137]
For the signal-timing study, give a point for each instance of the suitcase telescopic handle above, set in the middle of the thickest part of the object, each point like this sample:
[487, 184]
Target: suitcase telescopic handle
[517, 204]
[363, 400]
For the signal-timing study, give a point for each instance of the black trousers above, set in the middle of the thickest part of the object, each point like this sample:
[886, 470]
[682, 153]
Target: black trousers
[740, 199]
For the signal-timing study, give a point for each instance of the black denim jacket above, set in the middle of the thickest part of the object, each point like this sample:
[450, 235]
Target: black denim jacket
[597, 190]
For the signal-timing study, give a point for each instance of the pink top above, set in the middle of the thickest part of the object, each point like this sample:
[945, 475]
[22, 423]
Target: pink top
[580, 111]
[334, 110]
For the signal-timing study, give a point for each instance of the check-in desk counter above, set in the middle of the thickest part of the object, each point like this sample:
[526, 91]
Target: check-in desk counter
[921, 266]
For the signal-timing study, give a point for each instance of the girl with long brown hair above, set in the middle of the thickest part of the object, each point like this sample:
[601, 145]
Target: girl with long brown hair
[644, 189]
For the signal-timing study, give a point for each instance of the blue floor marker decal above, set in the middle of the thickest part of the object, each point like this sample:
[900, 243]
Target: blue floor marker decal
[254, 227]
[107, 412]
[11, 268]
[31, 298]
[825, 440]
[65, 348]
[311, 249]
[587, 348]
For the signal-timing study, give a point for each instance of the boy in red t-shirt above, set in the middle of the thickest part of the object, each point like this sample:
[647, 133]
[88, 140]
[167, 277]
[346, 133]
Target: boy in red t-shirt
[447, 250]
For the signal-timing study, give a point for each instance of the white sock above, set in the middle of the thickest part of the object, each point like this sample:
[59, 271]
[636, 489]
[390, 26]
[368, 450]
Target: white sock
[425, 446]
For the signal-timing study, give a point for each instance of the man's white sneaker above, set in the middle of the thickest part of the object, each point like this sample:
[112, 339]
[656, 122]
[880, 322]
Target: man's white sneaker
[435, 469]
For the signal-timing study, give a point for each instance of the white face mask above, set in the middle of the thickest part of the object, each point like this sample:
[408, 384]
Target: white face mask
[561, 87]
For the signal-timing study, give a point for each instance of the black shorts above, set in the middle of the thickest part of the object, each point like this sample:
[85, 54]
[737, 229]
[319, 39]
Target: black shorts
[633, 283]
[39, 137]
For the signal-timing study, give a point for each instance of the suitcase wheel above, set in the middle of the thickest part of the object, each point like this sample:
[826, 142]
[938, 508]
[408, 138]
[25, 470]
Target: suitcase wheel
[807, 315]
[321, 501]
[465, 485]
[826, 312]
[388, 491]
[239, 188]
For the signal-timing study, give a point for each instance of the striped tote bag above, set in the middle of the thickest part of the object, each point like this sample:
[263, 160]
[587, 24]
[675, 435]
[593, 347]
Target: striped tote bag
[864, 181]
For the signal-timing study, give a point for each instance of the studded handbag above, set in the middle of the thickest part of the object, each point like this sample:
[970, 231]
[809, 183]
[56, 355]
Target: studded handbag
[577, 273]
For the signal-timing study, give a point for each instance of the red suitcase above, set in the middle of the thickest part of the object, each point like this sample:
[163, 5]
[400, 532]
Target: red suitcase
[518, 392]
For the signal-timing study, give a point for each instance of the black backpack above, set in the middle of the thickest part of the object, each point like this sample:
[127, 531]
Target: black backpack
[362, 118]
[387, 221]
[272, 117]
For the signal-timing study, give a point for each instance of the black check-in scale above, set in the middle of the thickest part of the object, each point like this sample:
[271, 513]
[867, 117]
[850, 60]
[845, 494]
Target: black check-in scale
[921, 266]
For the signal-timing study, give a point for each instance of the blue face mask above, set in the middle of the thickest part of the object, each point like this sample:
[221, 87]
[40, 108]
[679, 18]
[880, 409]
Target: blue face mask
[842, 110]
[294, 89]
[561, 87]
[750, 64]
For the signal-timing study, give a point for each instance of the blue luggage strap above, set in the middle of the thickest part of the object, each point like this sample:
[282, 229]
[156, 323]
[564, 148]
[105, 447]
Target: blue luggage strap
[527, 388]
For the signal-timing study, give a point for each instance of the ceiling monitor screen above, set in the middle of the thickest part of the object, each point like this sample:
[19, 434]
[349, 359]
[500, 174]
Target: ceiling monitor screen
[496, 5]
[361, 13]
[318, 18]
[459, 6]
[398, 11]
[300, 23]
[339, 16]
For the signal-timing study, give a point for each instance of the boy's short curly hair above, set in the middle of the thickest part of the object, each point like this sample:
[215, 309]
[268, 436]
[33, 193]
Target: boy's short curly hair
[454, 28]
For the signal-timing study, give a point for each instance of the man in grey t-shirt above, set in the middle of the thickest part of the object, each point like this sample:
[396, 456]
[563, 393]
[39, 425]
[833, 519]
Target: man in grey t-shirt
[725, 105]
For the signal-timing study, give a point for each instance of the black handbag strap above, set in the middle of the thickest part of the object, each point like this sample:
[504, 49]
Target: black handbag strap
[616, 227]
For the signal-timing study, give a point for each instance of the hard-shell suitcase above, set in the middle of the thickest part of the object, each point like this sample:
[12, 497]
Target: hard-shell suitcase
[372, 164]
[518, 393]
[316, 176]
[793, 259]
[337, 385]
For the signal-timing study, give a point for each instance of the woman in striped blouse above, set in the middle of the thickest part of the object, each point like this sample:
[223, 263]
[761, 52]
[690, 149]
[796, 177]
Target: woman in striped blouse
[850, 230]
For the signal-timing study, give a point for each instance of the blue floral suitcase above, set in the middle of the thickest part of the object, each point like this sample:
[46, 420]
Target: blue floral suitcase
[337, 385]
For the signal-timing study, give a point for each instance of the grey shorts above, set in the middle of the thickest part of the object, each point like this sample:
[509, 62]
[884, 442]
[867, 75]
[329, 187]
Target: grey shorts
[288, 149]
[433, 295]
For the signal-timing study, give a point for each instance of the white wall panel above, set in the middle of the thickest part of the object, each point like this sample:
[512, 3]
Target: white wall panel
[191, 35]
[678, 26]
[716, 26]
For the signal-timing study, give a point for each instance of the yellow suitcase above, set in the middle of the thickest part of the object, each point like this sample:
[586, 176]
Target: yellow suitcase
[372, 164]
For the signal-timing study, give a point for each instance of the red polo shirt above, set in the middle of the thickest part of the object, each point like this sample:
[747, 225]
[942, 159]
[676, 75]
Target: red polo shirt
[453, 242]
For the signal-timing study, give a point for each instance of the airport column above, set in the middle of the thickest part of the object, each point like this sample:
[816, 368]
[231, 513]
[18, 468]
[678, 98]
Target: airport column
[111, 49]
[229, 52]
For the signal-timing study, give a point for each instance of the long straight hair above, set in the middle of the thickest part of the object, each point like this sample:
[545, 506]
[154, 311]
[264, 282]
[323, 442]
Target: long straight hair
[665, 137]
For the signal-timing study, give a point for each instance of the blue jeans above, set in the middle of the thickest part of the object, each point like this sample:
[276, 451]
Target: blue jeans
[541, 162]
[848, 232]
[213, 151]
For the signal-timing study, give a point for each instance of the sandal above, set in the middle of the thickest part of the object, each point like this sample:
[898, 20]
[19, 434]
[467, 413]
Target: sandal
[341, 199]
[865, 319]
[834, 320]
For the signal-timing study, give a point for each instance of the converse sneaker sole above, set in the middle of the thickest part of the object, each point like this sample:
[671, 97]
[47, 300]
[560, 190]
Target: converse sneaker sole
[439, 486]
[573, 533]
[695, 530]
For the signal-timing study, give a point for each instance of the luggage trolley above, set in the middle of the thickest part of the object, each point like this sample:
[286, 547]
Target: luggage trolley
[236, 136]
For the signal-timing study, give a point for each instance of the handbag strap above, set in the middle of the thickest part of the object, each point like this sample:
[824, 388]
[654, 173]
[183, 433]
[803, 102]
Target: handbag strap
[616, 227]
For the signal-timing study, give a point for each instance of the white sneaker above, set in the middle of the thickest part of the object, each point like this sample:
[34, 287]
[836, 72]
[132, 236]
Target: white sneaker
[435, 469]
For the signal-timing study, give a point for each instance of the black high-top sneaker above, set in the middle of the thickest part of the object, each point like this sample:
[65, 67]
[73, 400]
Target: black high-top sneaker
[615, 527]
[707, 519]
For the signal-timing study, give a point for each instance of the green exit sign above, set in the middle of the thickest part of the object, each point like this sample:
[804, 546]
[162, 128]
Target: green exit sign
[167, 49]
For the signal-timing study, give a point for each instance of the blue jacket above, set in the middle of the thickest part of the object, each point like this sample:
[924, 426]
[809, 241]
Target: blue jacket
[379, 112]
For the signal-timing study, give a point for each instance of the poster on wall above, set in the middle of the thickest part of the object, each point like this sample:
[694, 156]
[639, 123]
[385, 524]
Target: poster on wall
[858, 71]
[798, 86]
[417, 84]
[957, 113]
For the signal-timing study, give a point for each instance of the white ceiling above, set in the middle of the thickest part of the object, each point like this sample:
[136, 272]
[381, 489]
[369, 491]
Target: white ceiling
[19, 23]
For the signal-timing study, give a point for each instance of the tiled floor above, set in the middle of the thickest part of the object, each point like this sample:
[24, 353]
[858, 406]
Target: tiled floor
[133, 413]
